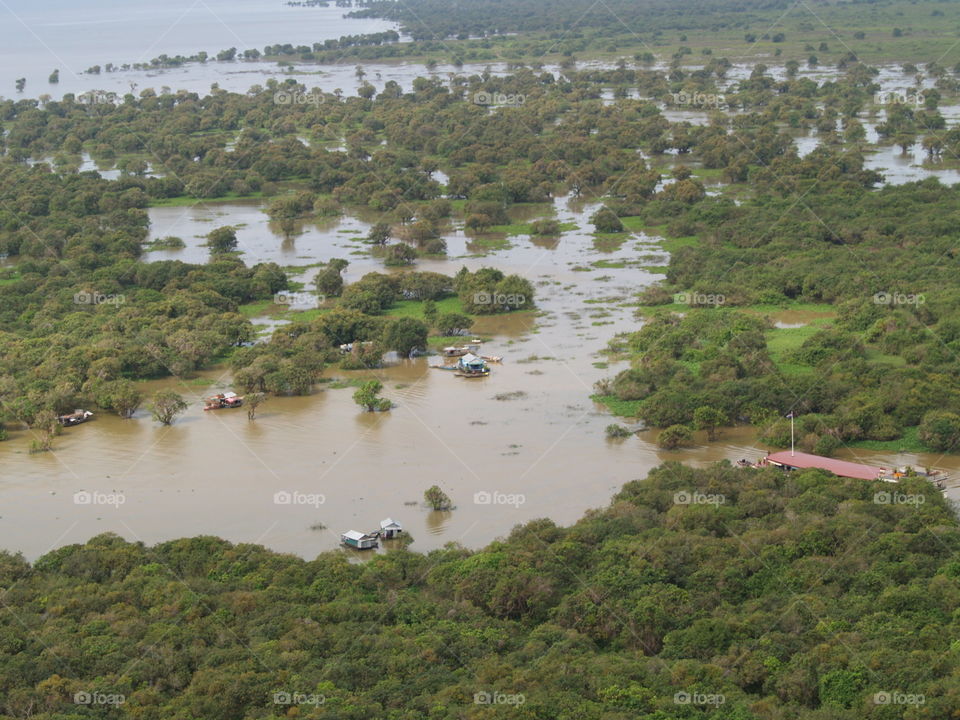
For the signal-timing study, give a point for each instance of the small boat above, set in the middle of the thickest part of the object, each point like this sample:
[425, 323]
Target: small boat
[74, 418]
[492, 358]
[359, 540]
[483, 373]
[223, 401]
[454, 351]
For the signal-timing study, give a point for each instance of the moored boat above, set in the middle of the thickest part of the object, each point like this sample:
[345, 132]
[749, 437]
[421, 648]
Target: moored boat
[455, 351]
[223, 401]
[74, 418]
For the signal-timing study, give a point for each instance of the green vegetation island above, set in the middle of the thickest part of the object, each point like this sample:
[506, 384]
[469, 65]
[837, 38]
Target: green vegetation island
[797, 293]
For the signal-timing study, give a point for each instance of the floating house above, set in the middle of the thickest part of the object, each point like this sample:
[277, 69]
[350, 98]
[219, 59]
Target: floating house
[390, 529]
[471, 365]
[359, 540]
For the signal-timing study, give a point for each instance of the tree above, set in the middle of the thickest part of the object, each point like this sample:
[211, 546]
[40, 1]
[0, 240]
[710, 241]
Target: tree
[166, 405]
[675, 436]
[437, 499]
[400, 254]
[430, 311]
[709, 419]
[405, 334]
[605, 220]
[329, 282]
[222, 240]
[940, 430]
[124, 397]
[379, 234]
[45, 428]
[478, 222]
[453, 323]
[366, 396]
[253, 401]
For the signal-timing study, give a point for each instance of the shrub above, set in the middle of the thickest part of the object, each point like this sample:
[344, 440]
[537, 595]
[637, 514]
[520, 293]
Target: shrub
[675, 436]
[615, 431]
[606, 221]
[545, 227]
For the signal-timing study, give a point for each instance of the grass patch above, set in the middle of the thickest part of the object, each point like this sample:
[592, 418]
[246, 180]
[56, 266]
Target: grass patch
[491, 241]
[305, 315]
[609, 242]
[254, 309]
[187, 201]
[671, 245]
[793, 306]
[344, 383]
[783, 341]
[414, 308]
[909, 442]
[623, 408]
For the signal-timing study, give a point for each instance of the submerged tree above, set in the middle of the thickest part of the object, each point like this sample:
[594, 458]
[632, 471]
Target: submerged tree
[222, 240]
[253, 401]
[367, 394]
[709, 419]
[45, 428]
[675, 436]
[166, 406]
[379, 233]
[437, 499]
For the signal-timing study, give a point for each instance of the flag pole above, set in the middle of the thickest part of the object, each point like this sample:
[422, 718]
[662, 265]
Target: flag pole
[791, 434]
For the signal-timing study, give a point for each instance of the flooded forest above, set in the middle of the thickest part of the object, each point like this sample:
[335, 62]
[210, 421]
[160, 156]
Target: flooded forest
[576, 326]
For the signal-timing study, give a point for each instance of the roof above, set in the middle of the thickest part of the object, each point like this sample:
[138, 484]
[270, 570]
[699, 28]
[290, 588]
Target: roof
[471, 359]
[388, 522]
[837, 467]
[354, 535]
[229, 395]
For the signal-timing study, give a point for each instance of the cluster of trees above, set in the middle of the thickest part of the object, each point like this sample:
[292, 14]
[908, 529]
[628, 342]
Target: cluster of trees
[297, 353]
[81, 316]
[712, 367]
[787, 595]
[491, 17]
[885, 259]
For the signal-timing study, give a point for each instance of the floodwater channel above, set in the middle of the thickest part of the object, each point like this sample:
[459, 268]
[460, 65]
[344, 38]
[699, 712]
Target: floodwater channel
[526, 442]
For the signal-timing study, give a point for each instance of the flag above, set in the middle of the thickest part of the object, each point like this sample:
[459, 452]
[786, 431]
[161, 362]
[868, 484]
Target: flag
[790, 415]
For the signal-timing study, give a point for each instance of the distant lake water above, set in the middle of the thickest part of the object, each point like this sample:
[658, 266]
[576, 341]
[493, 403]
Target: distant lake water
[38, 36]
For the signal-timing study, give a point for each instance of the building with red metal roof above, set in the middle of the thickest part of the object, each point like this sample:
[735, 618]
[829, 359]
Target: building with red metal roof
[842, 468]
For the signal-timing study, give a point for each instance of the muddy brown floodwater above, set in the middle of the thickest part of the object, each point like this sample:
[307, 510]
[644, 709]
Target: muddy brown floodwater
[524, 443]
